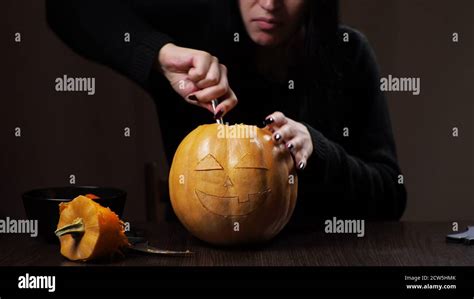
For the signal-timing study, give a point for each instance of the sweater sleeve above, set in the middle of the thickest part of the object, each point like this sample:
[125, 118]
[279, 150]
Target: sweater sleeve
[108, 31]
[369, 175]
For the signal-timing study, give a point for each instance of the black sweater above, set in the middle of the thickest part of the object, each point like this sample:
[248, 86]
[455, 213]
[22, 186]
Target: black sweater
[354, 176]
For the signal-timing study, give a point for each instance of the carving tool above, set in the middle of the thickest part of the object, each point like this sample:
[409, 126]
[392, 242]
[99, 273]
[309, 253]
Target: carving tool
[214, 105]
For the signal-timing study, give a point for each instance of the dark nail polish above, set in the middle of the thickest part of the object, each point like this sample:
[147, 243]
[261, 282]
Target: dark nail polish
[218, 114]
[193, 98]
[277, 137]
[268, 121]
[301, 166]
[290, 146]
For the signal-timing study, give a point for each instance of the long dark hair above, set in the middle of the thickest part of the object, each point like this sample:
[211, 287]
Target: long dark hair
[319, 72]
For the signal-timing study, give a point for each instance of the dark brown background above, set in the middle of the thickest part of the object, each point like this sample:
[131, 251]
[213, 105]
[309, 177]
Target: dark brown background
[68, 133]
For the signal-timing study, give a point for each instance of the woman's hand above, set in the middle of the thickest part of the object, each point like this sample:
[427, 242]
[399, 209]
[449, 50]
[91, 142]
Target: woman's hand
[293, 134]
[198, 77]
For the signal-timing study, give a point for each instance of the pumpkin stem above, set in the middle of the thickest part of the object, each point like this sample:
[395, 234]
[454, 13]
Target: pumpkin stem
[75, 228]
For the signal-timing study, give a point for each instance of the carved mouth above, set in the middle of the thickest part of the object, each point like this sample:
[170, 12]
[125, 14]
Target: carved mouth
[232, 205]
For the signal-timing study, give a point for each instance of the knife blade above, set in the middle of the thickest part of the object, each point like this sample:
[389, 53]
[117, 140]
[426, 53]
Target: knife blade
[214, 105]
[144, 247]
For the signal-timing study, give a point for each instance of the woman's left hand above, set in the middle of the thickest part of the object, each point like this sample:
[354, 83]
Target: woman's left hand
[293, 134]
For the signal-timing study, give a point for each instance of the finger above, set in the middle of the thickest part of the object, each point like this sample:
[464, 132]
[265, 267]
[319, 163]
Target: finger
[201, 63]
[301, 158]
[213, 75]
[184, 87]
[284, 133]
[226, 105]
[217, 91]
[295, 145]
[276, 119]
[207, 106]
[300, 152]
[211, 93]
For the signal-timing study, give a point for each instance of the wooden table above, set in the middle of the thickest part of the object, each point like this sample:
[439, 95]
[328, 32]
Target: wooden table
[384, 244]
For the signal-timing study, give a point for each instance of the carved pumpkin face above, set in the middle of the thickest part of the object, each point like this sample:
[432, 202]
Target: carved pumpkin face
[218, 184]
[222, 188]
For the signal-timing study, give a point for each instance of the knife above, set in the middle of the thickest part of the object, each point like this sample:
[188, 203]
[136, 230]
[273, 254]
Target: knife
[140, 244]
[214, 105]
[146, 248]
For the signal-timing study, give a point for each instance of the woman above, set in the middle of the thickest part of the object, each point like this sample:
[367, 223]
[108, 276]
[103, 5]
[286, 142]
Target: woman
[314, 83]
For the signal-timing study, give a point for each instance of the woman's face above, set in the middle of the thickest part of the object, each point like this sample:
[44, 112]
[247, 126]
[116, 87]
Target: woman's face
[272, 22]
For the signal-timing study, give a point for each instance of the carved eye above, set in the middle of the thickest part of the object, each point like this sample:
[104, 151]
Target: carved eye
[249, 162]
[208, 163]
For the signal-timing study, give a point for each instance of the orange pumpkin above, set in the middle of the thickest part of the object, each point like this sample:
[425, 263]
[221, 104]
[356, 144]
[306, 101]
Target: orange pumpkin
[231, 188]
[89, 231]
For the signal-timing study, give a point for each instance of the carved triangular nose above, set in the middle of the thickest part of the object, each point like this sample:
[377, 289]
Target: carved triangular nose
[228, 182]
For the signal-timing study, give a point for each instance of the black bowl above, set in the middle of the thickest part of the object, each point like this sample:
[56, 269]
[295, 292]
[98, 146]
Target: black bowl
[43, 204]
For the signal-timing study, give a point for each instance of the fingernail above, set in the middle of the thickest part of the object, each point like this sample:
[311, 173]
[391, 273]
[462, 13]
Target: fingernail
[289, 146]
[277, 137]
[301, 166]
[218, 114]
[268, 121]
[193, 98]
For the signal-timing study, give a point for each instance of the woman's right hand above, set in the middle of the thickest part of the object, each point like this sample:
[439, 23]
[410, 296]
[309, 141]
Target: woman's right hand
[198, 77]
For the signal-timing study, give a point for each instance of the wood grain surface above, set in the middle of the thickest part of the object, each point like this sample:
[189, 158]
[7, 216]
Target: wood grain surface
[384, 244]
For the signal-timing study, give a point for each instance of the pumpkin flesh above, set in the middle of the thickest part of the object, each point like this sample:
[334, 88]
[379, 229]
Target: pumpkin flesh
[102, 232]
